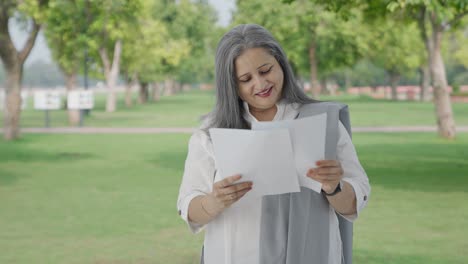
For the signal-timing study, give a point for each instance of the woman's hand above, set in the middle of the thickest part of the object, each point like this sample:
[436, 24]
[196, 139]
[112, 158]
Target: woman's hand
[224, 194]
[328, 172]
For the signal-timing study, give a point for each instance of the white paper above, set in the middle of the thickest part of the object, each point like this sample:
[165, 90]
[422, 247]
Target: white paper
[263, 157]
[308, 143]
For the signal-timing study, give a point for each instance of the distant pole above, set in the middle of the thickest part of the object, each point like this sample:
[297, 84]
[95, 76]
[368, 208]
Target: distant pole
[86, 13]
[86, 74]
[47, 119]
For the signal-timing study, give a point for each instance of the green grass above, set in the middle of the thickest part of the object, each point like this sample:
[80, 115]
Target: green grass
[185, 110]
[112, 199]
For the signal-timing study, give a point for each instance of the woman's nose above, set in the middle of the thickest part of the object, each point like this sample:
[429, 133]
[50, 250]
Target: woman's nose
[259, 82]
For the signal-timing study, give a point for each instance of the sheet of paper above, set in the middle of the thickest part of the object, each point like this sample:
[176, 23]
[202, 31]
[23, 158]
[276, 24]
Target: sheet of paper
[308, 142]
[263, 157]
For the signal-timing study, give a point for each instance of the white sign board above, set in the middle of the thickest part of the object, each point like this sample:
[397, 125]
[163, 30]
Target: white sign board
[24, 100]
[47, 100]
[83, 99]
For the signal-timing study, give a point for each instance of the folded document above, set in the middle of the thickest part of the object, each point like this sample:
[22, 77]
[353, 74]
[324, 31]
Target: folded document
[274, 155]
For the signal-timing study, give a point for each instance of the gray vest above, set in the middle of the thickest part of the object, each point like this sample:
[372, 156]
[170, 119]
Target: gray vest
[294, 227]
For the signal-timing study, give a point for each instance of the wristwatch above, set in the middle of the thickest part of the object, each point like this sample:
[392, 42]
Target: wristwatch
[337, 190]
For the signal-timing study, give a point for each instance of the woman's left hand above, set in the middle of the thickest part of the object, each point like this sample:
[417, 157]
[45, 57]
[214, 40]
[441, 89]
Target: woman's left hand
[328, 172]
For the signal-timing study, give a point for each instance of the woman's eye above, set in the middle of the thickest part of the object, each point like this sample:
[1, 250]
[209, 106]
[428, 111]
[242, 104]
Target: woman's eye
[266, 71]
[245, 80]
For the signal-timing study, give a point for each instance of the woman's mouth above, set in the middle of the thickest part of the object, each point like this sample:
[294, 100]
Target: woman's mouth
[265, 92]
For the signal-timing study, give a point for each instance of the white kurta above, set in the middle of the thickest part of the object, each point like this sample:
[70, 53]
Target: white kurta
[233, 236]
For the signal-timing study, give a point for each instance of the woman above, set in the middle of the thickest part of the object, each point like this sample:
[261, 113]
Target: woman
[255, 83]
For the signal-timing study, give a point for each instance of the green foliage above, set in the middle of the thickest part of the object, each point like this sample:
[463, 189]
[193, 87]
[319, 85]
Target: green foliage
[66, 33]
[339, 42]
[396, 47]
[148, 46]
[192, 23]
[196, 22]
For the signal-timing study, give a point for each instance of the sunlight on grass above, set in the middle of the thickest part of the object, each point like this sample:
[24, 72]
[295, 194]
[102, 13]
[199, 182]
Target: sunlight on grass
[112, 199]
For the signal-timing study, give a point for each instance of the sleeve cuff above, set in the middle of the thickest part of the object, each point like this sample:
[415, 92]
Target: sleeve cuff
[361, 200]
[183, 212]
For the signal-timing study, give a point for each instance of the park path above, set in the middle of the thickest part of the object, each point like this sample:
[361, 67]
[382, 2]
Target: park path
[188, 130]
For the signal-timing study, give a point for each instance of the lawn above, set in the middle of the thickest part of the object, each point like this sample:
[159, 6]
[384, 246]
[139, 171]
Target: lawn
[185, 110]
[112, 199]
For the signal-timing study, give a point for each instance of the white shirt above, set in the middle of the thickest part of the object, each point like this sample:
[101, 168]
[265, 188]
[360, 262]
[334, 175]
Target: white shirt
[233, 236]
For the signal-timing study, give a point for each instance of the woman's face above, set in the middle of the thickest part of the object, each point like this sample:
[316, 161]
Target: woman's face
[260, 80]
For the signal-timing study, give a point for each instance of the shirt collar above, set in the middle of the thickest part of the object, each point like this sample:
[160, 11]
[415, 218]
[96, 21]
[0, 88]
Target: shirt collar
[284, 111]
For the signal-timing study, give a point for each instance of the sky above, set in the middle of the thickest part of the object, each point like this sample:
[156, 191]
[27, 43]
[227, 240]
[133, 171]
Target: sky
[42, 52]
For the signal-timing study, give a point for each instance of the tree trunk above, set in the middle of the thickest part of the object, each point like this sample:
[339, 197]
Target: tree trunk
[187, 87]
[128, 90]
[394, 80]
[314, 82]
[128, 94]
[443, 105]
[424, 82]
[347, 79]
[156, 92]
[169, 87]
[177, 87]
[144, 93]
[111, 72]
[12, 110]
[73, 114]
[13, 61]
[323, 86]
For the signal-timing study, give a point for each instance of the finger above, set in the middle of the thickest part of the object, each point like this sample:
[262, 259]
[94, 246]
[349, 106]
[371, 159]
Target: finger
[231, 197]
[329, 171]
[327, 177]
[236, 187]
[325, 163]
[241, 194]
[228, 181]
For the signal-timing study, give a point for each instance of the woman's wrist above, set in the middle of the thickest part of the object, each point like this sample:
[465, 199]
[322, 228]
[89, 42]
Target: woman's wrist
[209, 207]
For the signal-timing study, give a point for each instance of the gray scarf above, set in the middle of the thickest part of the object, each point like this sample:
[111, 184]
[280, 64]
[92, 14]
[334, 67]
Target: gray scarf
[295, 226]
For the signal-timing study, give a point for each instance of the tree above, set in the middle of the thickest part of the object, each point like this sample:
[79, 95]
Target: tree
[434, 18]
[33, 12]
[316, 40]
[109, 23]
[150, 49]
[65, 33]
[195, 21]
[396, 48]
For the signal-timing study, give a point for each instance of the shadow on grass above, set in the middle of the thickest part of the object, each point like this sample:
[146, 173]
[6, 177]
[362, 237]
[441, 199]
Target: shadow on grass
[20, 153]
[173, 160]
[7, 177]
[378, 257]
[417, 166]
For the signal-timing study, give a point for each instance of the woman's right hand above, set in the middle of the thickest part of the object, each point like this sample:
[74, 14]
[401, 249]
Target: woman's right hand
[224, 194]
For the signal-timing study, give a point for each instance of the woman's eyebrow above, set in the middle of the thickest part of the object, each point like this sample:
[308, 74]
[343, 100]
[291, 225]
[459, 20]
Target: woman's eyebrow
[257, 69]
[263, 65]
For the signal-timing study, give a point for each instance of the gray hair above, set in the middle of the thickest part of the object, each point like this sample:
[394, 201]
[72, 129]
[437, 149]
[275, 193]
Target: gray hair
[228, 110]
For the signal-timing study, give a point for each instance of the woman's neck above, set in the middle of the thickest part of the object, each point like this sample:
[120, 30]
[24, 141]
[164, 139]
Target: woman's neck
[264, 115]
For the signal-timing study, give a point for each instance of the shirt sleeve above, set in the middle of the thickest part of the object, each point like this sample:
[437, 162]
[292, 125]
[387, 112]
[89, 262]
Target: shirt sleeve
[198, 175]
[354, 174]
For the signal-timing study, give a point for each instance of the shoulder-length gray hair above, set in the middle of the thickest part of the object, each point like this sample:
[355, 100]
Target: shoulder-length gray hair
[228, 110]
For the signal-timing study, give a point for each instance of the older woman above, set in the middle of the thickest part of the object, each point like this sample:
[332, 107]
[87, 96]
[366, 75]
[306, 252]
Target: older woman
[254, 82]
